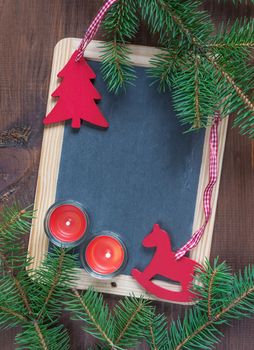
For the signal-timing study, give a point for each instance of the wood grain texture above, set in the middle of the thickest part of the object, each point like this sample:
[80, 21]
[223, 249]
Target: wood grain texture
[29, 30]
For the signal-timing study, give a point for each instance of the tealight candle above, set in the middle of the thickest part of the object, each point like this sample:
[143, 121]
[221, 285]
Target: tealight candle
[66, 223]
[105, 255]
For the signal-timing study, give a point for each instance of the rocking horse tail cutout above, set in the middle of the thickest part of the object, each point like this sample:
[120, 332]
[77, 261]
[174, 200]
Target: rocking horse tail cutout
[164, 264]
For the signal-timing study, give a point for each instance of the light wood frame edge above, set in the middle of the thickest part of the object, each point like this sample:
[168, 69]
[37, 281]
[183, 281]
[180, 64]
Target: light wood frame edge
[48, 175]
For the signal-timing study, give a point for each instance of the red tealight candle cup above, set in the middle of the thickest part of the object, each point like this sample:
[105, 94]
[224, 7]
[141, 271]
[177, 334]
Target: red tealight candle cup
[66, 223]
[104, 256]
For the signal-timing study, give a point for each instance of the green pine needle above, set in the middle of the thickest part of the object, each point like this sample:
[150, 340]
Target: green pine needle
[32, 299]
[91, 308]
[55, 277]
[222, 297]
[157, 333]
[206, 71]
[120, 24]
[122, 329]
[36, 336]
[131, 316]
[194, 101]
[116, 66]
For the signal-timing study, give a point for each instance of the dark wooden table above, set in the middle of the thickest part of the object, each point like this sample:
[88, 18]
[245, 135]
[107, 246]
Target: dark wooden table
[29, 30]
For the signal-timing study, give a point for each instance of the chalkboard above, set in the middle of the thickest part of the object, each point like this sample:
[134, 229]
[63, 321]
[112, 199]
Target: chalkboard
[143, 170]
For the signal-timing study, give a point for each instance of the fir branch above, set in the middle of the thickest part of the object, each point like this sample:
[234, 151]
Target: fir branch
[55, 276]
[216, 318]
[12, 221]
[238, 34]
[43, 336]
[230, 46]
[197, 39]
[123, 330]
[186, 31]
[209, 299]
[21, 297]
[197, 123]
[174, 20]
[37, 327]
[54, 283]
[152, 338]
[222, 298]
[132, 315]
[231, 81]
[120, 24]
[91, 308]
[116, 67]
[157, 333]
[39, 332]
[195, 98]
[165, 67]
[197, 42]
[11, 312]
[7, 227]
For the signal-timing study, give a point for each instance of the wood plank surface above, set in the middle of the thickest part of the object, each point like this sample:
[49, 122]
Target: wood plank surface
[29, 30]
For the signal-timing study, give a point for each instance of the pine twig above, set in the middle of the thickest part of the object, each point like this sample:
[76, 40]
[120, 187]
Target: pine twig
[136, 311]
[231, 81]
[25, 300]
[13, 219]
[120, 24]
[13, 313]
[20, 290]
[39, 332]
[202, 49]
[230, 46]
[216, 318]
[90, 315]
[197, 122]
[54, 282]
[209, 298]
[153, 338]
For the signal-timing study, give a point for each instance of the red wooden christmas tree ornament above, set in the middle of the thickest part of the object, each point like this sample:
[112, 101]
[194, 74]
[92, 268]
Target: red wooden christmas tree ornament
[77, 96]
[165, 264]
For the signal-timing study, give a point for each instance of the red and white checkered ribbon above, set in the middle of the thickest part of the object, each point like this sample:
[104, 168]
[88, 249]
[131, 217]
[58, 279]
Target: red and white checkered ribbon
[93, 28]
[213, 174]
[213, 161]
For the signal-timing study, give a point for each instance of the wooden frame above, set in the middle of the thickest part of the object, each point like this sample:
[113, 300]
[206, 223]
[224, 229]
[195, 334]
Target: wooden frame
[49, 167]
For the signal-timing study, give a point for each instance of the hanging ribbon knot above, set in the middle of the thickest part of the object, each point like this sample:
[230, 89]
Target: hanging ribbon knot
[93, 28]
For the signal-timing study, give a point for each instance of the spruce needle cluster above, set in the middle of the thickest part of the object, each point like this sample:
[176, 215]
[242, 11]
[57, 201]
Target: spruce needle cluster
[29, 298]
[34, 299]
[203, 68]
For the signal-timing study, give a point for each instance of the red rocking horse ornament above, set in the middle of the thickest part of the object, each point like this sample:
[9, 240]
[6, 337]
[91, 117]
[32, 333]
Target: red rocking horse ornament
[164, 263]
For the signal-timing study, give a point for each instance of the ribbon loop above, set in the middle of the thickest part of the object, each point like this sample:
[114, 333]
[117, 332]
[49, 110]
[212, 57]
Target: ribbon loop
[93, 28]
[213, 175]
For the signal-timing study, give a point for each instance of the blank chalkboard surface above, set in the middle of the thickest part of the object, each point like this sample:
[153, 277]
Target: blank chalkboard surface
[143, 170]
[140, 171]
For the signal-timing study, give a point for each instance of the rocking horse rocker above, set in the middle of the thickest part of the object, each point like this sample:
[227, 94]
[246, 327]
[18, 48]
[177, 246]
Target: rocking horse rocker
[165, 264]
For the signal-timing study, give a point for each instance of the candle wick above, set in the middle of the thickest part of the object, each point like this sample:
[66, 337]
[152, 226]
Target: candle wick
[108, 255]
[68, 223]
